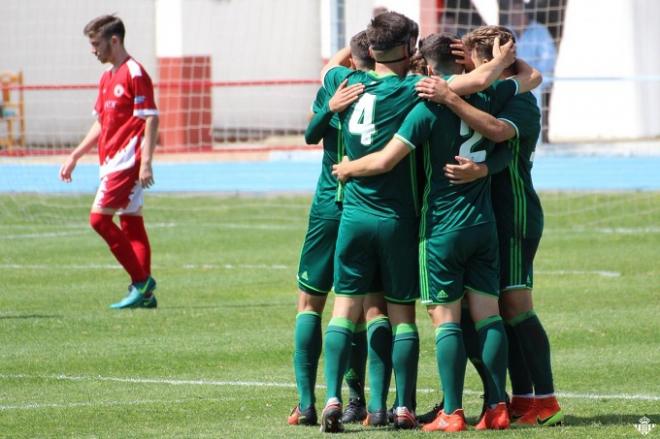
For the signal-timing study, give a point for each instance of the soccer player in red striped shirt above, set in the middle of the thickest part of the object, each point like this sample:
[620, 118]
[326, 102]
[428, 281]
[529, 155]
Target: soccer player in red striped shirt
[125, 131]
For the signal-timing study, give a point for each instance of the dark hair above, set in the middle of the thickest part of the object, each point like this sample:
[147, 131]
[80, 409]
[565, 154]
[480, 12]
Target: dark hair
[436, 49]
[389, 30]
[483, 38]
[360, 50]
[106, 26]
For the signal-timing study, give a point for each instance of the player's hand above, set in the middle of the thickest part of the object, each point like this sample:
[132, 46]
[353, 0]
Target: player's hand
[458, 49]
[341, 170]
[506, 51]
[345, 96]
[66, 170]
[434, 89]
[146, 175]
[466, 171]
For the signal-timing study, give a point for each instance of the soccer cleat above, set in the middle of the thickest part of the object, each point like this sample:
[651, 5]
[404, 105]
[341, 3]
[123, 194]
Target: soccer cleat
[356, 411]
[429, 416]
[331, 417]
[544, 412]
[378, 418]
[302, 417]
[404, 419]
[136, 295]
[390, 414]
[447, 423]
[496, 418]
[519, 406]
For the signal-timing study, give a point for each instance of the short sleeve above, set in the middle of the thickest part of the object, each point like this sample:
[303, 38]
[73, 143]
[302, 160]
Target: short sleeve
[334, 77]
[501, 92]
[416, 127]
[523, 114]
[319, 101]
[144, 104]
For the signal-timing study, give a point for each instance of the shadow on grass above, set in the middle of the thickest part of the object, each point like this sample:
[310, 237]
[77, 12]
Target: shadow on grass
[612, 419]
[31, 316]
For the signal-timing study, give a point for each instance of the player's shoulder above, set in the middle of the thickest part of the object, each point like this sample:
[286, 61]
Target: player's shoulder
[425, 110]
[134, 68]
[336, 74]
[524, 101]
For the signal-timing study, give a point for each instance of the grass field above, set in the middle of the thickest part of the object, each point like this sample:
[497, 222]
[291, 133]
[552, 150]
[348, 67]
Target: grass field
[214, 360]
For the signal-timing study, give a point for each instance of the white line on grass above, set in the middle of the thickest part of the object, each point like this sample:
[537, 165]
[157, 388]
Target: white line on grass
[83, 230]
[603, 273]
[59, 267]
[36, 405]
[180, 382]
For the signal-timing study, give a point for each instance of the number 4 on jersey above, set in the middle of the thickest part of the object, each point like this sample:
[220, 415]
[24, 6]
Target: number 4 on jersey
[361, 122]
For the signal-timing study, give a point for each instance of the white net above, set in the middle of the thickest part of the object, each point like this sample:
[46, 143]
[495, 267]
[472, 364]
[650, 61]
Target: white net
[235, 79]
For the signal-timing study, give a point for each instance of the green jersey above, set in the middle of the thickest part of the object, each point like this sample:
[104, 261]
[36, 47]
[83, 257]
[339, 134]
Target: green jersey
[325, 203]
[516, 204]
[368, 125]
[442, 136]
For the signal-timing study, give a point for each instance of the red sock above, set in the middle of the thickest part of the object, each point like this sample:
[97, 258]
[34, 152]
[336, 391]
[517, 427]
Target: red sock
[133, 228]
[119, 245]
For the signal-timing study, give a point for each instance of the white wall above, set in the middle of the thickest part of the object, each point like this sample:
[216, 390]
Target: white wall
[281, 39]
[44, 39]
[607, 38]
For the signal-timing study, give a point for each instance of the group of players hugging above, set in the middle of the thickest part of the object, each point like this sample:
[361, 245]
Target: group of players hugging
[425, 193]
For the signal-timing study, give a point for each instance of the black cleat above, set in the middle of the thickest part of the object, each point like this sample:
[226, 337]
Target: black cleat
[379, 418]
[331, 417]
[302, 417]
[430, 416]
[356, 411]
[404, 419]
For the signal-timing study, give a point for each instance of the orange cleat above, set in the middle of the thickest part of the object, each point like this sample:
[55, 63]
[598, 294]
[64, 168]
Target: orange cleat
[545, 412]
[519, 406]
[496, 418]
[447, 423]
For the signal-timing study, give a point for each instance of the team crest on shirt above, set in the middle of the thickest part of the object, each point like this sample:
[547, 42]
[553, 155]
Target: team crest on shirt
[118, 90]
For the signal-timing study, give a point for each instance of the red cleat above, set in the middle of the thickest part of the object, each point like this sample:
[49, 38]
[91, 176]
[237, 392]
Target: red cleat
[447, 423]
[496, 418]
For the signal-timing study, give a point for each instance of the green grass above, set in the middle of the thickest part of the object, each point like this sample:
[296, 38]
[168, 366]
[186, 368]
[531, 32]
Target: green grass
[226, 272]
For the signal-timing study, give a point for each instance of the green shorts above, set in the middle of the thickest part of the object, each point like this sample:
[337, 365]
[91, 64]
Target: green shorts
[316, 267]
[377, 252]
[516, 262]
[454, 261]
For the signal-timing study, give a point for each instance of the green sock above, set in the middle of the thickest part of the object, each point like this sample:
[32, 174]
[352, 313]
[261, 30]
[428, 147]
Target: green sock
[307, 349]
[379, 336]
[536, 350]
[357, 364]
[338, 338]
[405, 356]
[521, 381]
[451, 359]
[492, 339]
[473, 350]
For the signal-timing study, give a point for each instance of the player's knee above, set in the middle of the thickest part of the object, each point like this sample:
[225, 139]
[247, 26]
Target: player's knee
[513, 304]
[98, 221]
[309, 302]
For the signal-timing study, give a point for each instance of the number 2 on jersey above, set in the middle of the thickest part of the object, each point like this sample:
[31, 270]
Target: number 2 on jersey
[362, 119]
[466, 147]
